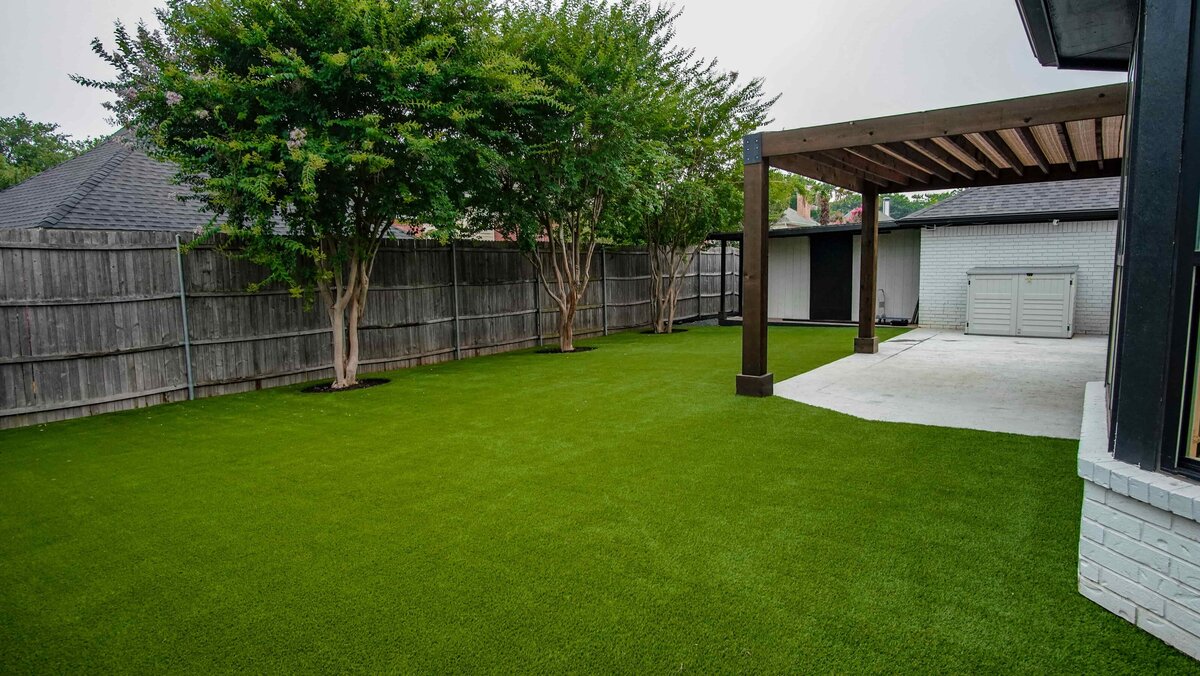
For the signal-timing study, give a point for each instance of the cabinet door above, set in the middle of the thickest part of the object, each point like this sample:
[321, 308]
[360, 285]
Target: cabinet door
[1044, 307]
[992, 305]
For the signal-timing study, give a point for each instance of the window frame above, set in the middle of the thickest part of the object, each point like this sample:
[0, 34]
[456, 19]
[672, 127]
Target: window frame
[1181, 397]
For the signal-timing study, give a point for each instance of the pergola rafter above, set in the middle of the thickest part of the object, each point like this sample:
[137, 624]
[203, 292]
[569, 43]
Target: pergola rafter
[915, 159]
[1066, 135]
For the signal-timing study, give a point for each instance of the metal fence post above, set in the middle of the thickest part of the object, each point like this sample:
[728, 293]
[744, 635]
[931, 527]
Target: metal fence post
[537, 302]
[187, 338]
[604, 289]
[741, 280]
[454, 289]
[721, 305]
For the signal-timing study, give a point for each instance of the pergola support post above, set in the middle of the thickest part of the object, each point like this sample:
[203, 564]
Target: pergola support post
[754, 380]
[867, 342]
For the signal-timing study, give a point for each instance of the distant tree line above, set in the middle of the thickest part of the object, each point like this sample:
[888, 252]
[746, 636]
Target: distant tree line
[836, 205]
[28, 147]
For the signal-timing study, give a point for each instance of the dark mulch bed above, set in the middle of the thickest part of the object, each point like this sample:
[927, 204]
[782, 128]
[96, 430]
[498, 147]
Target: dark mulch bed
[555, 350]
[651, 332]
[363, 383]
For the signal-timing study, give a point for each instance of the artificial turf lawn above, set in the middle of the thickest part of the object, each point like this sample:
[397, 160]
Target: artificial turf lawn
[617, 509]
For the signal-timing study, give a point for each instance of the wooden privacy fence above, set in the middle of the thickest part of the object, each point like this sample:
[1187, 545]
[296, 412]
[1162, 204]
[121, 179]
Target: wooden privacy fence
[95, 321]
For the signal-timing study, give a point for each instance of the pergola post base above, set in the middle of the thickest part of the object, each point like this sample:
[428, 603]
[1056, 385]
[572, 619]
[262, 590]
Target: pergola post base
[756, 386]
[866, 345]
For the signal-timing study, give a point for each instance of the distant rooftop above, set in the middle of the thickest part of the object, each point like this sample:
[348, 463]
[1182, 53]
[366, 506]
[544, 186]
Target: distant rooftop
[794, 219]
[1081, 199]
[113, 186]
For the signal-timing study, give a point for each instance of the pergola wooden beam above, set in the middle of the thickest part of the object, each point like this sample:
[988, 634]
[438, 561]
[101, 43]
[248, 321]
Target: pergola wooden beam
[1006, 153]
[1035, 151]
[939, 155]
[915, 159]
[1058, 172]
[1065, 140]
[806, 166]
[880, 158]
[972, 158]
[881, 176]
[1022, 112]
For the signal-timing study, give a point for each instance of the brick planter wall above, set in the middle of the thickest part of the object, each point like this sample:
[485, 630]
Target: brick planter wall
[1139, 544]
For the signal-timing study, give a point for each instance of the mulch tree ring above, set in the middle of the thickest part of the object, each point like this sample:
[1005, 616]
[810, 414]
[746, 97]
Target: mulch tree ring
[362, 384]
[650, 332]
[555, 350]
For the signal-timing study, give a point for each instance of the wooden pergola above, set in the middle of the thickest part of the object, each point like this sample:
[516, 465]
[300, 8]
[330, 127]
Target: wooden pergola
[1066, 135]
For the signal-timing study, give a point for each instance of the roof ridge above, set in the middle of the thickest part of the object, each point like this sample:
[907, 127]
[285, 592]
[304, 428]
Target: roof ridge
[949, 199]
[86, 186]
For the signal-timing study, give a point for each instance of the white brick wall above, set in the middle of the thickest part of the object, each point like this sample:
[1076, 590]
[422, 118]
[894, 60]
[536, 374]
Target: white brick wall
[948, 252]
[1139, 538]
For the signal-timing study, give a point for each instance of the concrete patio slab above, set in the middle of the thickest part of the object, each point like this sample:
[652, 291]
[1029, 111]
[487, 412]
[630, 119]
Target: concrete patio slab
[1030, 386]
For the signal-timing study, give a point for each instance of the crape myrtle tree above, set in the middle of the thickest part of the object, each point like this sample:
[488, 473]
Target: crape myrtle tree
[311, 128]
[709, 112]
[582, 166]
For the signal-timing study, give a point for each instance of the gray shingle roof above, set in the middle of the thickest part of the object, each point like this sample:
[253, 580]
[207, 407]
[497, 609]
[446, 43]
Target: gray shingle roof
[1055, 199]
[113, 186]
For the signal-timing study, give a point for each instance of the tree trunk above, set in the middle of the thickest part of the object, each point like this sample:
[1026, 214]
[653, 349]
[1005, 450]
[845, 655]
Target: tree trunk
[337, 324]
[570, 252]
[566, 325]
[351, 370]
[668, 261]
[659, 293]
[345, 301]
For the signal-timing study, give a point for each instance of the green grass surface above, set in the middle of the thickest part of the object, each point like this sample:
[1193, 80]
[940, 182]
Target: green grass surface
[615, 510]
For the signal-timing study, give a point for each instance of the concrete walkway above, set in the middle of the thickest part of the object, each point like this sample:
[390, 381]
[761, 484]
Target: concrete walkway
[1021, 385]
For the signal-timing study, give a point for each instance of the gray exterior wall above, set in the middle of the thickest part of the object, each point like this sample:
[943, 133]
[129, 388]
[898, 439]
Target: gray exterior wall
[948, 252]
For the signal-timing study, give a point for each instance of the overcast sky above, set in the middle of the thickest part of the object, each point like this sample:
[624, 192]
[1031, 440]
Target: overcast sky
[832, 60]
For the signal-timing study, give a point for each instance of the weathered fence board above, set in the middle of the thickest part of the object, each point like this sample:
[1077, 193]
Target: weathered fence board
[91, 321]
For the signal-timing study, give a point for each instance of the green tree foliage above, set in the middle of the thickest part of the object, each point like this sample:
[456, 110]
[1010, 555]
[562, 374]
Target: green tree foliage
[707, 114]
[903, 204]
[783, 190]
[584, 165]
[310, 128]
[28, 147]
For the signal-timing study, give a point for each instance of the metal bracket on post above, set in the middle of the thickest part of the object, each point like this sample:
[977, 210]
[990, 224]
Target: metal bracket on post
[752, 148]
[187, 338]
[454, 290]
[604, 289]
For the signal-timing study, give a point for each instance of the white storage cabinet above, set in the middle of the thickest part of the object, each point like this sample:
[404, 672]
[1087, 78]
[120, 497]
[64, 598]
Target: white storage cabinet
[1021, 301]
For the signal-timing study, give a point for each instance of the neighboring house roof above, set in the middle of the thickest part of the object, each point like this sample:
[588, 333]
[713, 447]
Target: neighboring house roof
[794, 219]
[1088, 199]
[113, 186]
